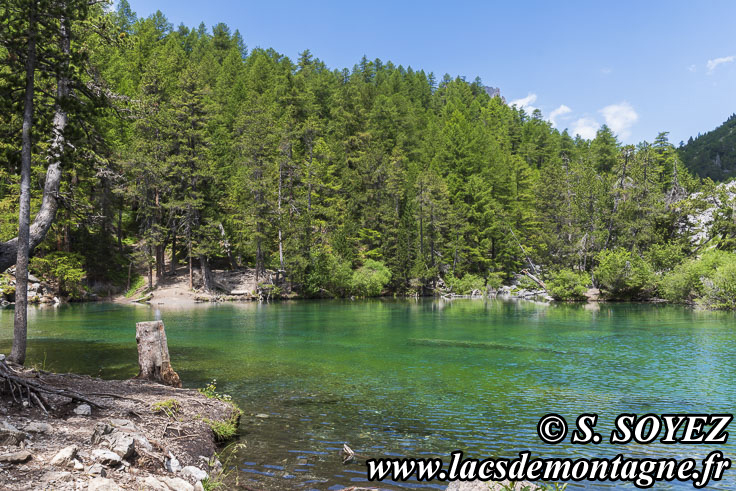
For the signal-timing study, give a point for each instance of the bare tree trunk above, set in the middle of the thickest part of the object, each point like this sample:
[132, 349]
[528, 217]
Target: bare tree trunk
[172, 268]
[281, 244]
[189, 256]
[18, 351]
[207, 280]
[153, 354]
[228, 249]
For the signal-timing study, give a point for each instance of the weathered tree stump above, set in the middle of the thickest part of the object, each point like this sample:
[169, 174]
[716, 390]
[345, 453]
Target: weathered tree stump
[153, 354]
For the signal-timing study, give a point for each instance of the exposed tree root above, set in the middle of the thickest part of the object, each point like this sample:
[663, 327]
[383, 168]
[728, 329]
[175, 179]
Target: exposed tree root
[24, 389]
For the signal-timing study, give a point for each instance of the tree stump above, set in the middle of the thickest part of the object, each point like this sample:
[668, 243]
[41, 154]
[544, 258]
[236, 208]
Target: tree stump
[153, 354]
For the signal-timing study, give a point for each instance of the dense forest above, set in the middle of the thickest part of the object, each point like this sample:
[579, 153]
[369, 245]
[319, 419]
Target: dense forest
[184, 147]
[713, 154]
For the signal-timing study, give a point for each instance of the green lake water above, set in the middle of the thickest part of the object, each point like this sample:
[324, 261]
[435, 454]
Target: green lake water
[334, 372]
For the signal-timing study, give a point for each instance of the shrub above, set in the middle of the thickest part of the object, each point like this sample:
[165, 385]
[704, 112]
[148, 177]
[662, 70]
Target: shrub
[495, 280]
[466, 284]
[370, 279]
[63, 268]
[624, 274]
[329, 275]
[720, 290]
[664, 257]
[135, 285]
[684, 283]
[568, 285]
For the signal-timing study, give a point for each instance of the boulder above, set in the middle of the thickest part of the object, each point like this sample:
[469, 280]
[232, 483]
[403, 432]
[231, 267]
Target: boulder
[96, 470]
[16, 457]
[122, 444]
[83, 410]
[101, 429]
[38, 427]
[167, 484]
[103, 484]
[11, 436]
[172, 464]
[65, 456]
[193, 474]
[106, 457]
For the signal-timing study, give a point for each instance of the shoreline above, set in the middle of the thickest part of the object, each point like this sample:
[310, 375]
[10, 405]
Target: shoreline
[142, 435]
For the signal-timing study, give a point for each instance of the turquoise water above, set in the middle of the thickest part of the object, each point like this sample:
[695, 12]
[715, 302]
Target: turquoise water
[372, 374]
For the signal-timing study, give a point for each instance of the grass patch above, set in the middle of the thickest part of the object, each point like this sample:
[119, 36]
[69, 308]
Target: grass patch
[170, 407]
[224, 430]
[227, 429]
[217, 480]
[137, 283]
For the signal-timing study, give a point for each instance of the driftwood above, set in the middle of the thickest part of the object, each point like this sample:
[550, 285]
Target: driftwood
[534, 279]
[33, 392]
[145, 298]
[153, 354]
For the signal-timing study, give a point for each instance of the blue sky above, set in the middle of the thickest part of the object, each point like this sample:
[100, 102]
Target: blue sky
[641, 67]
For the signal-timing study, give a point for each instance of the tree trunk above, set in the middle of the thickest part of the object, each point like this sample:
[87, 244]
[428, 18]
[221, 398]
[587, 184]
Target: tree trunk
[172, 268]
[228, 249]
[153, 354]
[18, 351]
[207, 281]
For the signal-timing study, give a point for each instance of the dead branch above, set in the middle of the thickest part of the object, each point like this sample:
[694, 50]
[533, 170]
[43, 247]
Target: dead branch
[17, 384]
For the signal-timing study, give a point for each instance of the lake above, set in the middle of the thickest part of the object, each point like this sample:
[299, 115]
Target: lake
[412, 377]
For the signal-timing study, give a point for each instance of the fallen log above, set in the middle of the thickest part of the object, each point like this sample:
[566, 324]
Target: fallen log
[534, 279]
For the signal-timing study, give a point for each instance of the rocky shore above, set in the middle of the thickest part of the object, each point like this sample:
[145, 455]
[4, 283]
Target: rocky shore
[134, 435]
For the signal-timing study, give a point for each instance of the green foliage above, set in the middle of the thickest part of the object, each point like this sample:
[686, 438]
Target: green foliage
[223, 430]
[349, 182]
[567, 285]
[136, 284]
[685, 282]
[66, 269]
[712, 154]
[210, 391]
[329, 276]
[720, 290]
[169, 407]
[624, 274]
[7, 290]
[465, 285]
[370, 279]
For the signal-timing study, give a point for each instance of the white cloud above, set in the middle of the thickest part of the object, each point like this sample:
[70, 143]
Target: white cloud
[585, 127]
[692, 68]
[712, 64]
[563, 109]
[525, 103]
[620, 118]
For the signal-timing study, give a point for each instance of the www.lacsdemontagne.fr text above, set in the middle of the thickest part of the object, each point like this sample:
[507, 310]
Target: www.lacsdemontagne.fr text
[643, 473]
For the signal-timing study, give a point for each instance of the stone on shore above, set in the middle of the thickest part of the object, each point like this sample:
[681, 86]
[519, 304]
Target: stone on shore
[103, 484]
[16, 457]
[65, 456]
[193, 473]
